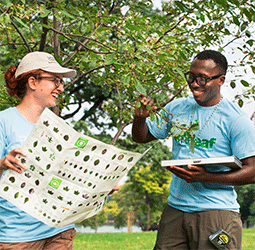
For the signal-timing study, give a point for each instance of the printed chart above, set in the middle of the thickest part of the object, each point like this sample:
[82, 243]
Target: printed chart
[69, 174]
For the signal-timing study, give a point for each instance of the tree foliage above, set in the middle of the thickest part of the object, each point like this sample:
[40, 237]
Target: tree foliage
[120, 48]
[246, 199]
[142, 198]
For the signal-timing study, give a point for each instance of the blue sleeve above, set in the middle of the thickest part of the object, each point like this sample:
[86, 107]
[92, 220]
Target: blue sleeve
[161, 125]
[243, 137]
[2, 140]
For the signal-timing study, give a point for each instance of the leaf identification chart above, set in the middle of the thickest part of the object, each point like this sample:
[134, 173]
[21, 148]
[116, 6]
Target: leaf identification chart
[68, 174]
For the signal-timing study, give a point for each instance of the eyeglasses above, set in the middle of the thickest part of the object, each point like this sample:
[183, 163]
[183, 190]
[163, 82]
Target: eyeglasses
[200, 80]
[57, 81]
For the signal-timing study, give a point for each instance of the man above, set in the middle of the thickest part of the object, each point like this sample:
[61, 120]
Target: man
[202, 200]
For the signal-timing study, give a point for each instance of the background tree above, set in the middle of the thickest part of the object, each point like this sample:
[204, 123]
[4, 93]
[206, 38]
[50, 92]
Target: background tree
[95, 221]
[246, 199]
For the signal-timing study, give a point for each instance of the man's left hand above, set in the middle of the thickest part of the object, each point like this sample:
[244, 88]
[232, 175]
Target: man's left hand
[192, 174]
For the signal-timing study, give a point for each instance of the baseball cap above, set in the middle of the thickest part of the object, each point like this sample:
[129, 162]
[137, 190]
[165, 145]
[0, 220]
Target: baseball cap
[43, 61]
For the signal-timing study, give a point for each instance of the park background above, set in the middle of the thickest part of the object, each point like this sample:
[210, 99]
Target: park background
[122, 48]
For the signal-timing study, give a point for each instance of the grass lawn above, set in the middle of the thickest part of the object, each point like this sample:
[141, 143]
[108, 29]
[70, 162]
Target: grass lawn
[136, 241]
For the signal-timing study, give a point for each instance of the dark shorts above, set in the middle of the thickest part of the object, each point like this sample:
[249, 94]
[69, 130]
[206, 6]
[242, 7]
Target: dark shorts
[61, 241]
[179, 230]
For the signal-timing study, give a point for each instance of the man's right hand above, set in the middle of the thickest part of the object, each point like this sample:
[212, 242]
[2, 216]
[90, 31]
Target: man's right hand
[144, 106]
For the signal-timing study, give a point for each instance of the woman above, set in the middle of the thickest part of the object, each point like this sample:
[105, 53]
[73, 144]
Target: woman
[38, 82]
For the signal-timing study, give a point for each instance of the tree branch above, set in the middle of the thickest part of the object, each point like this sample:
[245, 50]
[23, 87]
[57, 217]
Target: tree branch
[82, 45]
[20, 33]
[121, 106]
[122, 127]
[84, 74]
[73, 113]
[43, 35]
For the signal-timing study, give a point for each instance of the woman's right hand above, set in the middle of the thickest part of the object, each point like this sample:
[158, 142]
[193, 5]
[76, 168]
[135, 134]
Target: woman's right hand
[10, 161]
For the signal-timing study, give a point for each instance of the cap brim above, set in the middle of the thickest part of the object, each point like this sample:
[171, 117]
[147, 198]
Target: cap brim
[68, 73]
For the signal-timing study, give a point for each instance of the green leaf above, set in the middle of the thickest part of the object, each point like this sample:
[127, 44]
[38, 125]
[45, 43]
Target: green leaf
[152, 116]
[127, 79]
[148, 107]
[21, 22]
[194, 127]
[245, 84]
[172, 130]
[223, 3]
[138, 105]
[236, 2]
[180, 5]
[157, 120]
[45, 13]
[180, 73]
[247, 14]
[164, 110]
[140, 88]
[192, 144]
[65, 13]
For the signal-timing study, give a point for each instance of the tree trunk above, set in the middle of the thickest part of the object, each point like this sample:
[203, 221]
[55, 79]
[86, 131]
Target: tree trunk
[148, 217]
[116, 137]
[129, 223]
[96, 224]
[56, 48]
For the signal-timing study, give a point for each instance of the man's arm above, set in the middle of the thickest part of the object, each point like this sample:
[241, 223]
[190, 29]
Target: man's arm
[243, 176]
[140, 130]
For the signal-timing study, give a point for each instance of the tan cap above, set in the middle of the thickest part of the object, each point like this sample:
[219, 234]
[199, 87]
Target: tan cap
[44, 61]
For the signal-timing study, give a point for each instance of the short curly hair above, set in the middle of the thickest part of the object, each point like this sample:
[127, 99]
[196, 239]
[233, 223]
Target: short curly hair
[219, 59]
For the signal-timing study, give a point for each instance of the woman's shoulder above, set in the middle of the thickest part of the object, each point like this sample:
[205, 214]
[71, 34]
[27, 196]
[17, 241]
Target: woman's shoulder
[7, 114]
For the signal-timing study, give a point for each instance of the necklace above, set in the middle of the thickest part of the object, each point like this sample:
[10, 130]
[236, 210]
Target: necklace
[216, 107]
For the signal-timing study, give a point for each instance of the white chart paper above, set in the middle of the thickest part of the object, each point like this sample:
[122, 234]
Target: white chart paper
[68, 176]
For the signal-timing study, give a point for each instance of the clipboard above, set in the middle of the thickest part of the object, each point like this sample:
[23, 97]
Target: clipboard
[227, 161]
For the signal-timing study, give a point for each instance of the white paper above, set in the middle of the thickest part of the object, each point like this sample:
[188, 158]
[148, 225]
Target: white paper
[69, 174]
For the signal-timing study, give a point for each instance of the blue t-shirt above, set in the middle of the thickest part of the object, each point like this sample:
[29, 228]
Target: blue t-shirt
[228, 132]
[15, 224]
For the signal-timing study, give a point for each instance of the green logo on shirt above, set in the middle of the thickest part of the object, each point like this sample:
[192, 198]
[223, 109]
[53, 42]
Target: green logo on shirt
[208, 144]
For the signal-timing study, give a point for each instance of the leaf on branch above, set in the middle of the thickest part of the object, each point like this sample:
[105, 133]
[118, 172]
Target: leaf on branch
[127, 79]
[140, 88]
[65, 13]
[194, 127]
[180, 5]
[138, 105]
[180, 73]
[148, 107]
[172, 130]
[45, 13]
[192, 144]
[223, 3]
[152, 116]
[21, 22]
